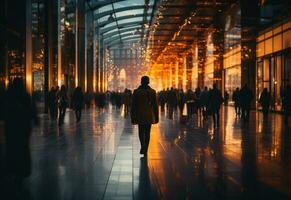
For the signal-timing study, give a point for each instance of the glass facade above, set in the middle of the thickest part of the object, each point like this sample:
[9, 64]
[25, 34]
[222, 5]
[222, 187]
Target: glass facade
[232, 50]
[273, 61]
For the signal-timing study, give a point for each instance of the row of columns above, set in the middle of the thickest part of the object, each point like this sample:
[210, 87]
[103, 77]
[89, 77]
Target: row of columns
[75, 67]
[174, 72]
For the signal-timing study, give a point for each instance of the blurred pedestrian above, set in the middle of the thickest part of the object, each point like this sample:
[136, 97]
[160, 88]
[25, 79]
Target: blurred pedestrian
[77, 99]
[204, 100]
[63, 102]
[87, 98]
[53, 103]
[172, 102]
[19, 111]
[264, 100]
[236, 100]
[287, 103]
[246, 97]
[215, 101]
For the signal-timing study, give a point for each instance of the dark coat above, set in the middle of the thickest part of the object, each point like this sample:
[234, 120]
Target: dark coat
[265, 99]
[144, 108]
[246, 97]
[215, 100]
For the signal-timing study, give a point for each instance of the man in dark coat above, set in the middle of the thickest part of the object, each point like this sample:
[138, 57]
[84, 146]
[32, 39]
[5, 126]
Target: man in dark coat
[144, 112]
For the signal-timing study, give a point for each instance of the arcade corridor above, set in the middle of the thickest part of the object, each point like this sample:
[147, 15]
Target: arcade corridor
[84, 83]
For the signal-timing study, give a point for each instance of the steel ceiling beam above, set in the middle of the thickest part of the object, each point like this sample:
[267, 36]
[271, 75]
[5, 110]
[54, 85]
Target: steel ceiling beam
[121, 31]
[102, 24]
[107, 40]
[124, 40]
[104, 3]
[121, 26]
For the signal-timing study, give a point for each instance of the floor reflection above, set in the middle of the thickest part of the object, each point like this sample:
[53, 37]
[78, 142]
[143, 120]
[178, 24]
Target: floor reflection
[99, 159]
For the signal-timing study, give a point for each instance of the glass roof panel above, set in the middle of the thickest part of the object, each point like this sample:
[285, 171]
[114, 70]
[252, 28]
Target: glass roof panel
[129, 12]
[113, 30]
[135, 17]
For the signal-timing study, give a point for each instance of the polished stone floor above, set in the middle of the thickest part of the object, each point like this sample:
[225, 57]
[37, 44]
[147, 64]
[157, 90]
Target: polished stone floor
[98, 158]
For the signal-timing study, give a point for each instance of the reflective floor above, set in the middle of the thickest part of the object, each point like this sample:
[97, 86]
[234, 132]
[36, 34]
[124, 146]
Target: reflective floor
[98, 158]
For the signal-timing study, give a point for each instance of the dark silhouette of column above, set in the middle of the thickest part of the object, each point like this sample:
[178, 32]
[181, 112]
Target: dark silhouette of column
[201, 59]
[80, 43]
[218, 42]
[48, 52]
[180, 73]
[249, 23]
[3, 43]
[89, 62]
[28, 47]
[189, 66]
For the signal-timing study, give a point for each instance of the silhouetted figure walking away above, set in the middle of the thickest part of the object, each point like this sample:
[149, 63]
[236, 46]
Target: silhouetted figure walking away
[226, 98]
[287, 103]
[172, 102]
[236, 100]
[264, 100]
[87, 99]
[181, 99]
[63, 103]
[204, 100]
[246, 97]
[144, 112]
[78, 102]
[215, 101]
[53, 103]
[19, 111]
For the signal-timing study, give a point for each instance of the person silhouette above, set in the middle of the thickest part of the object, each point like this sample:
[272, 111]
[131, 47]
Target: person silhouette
[63, 103]
[78, 102]
[19, 111]
[215, 101]
[144, 112]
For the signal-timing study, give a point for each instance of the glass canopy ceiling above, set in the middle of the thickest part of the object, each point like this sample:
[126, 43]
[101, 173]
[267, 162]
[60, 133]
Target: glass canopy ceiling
[122, 21]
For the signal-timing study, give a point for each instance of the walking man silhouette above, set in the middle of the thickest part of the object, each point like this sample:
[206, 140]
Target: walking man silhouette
[144, 112]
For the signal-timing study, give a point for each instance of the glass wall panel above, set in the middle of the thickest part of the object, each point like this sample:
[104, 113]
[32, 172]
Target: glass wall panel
[287, 39]
[277, 41]
[269, 46]
[232, 79]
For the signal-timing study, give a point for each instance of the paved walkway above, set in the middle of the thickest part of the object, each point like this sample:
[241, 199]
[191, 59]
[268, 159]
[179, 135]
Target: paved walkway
[98, 158]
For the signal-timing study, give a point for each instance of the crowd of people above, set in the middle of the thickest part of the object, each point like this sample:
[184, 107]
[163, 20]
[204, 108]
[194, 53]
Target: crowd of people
[18, 110]
[203, 102]
[59, 100]
[207, 101]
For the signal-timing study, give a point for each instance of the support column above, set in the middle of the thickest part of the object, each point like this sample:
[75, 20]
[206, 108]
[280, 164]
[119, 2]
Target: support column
[249, 22]
[180, 73]
[60, 43]
[89, 56]
[4, 48]
[189, 66]
[100, 63]
[218, 42]
[48, 53]
[80, 44]
[28, 46]
[201, 61]
[176, 74]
